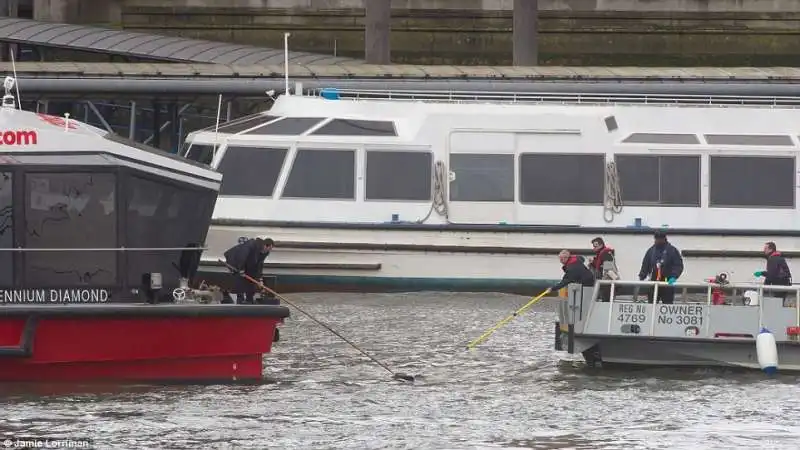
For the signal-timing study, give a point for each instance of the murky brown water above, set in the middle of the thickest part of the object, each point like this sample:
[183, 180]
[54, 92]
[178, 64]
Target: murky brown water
[512, 392]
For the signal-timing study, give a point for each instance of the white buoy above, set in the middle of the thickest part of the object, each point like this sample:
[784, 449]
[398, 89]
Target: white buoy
[767, 351]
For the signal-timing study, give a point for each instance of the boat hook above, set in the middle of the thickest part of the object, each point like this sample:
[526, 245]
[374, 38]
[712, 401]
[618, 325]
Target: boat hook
[260, 285]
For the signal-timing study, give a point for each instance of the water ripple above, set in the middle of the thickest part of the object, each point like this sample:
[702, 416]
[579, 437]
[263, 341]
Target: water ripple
[512, 392]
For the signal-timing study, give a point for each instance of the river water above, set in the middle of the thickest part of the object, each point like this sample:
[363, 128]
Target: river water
[513, 391]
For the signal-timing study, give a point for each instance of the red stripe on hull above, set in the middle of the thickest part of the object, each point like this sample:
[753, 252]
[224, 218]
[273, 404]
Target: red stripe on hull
[136, 348]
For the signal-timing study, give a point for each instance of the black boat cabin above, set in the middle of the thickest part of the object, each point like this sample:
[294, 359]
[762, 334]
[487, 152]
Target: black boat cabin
[88, 217]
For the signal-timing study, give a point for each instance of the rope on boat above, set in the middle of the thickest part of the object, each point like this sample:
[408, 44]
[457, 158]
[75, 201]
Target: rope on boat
[613, 201]
[439, 203]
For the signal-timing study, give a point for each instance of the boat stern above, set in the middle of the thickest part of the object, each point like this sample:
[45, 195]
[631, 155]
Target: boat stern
[572, 312]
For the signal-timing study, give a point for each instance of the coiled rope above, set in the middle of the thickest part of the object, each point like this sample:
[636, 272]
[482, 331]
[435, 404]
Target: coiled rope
[439, 203]
[613, 202]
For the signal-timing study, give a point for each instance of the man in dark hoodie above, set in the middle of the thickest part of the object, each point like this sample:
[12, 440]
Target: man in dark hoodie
[247, 258]
[777, 273]
[662, 262]
[575, 271]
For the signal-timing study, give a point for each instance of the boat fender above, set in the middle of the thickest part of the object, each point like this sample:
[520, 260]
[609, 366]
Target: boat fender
[767, 352]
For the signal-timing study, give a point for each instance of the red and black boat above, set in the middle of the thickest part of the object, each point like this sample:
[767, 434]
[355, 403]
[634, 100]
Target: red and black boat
[100, 238]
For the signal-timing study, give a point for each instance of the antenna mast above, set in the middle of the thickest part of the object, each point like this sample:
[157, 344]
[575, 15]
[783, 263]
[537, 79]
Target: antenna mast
[286, 60]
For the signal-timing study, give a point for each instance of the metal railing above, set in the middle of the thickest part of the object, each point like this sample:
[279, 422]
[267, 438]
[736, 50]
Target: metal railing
[564, 98]
[708, 287]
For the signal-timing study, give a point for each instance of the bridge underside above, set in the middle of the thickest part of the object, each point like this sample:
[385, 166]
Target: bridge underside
[174, 85]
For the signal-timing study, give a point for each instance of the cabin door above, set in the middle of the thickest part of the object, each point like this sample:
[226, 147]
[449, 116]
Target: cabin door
[481, 177]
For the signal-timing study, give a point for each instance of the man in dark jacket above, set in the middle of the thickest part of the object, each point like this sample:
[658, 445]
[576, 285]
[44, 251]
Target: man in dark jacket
[575, 271]
[247, 258]
[603, 266]
[662, 262]
[777, 273]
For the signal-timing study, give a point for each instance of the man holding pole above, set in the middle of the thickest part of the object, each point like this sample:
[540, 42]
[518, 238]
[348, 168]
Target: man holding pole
[662, 262]
[247, 258]
[575, 271]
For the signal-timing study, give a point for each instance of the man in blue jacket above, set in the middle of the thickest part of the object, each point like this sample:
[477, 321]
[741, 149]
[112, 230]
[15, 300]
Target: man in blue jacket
[662, 262]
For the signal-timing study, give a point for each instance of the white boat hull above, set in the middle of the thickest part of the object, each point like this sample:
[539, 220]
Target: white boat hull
[503, 259]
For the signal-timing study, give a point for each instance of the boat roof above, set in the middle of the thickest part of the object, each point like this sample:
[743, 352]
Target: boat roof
[392, 120]
[33, 138]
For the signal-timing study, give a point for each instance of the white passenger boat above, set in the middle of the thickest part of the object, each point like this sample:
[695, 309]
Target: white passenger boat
[749, 326]
[394, 192]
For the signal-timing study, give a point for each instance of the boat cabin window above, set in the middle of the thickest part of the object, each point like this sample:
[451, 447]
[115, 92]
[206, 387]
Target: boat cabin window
[288, 126]
[482, 178]
[748, 139]
[394, 175]
[202, 153]
[70, 210]
[6, 229]
[346, 127]
[661, 138]
[327, 174]
[751, 181]
[243, 123]
[567, 179]
[251, 171]
[659, 179]
[161, 214]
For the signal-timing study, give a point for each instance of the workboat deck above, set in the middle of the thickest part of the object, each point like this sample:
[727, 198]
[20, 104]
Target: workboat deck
[718, 328]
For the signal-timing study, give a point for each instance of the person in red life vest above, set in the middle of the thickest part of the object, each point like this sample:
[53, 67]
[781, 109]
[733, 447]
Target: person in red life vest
[777, 273]
[575, 271]
[603, 266]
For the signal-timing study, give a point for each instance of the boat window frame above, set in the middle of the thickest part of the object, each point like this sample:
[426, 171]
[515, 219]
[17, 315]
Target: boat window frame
[600, 156]
[256, 146]
[662, 138]
[755, 140]
[713, 205]
[658, 155]
[22, 234]
[129, 173]
[336, 120]
[10, 281]
[427, 151]
[295, 153]
[513, 178]
[257, 130]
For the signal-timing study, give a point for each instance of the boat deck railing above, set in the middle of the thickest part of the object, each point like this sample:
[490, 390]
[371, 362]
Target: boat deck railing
[709, 292]
[561, 98]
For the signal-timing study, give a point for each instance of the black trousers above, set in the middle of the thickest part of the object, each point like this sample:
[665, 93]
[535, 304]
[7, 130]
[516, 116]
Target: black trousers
[244, 289]
[604, 293]
[665, 293]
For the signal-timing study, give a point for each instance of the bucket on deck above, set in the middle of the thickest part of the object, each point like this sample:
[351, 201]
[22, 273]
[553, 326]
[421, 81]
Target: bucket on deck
[767, 351]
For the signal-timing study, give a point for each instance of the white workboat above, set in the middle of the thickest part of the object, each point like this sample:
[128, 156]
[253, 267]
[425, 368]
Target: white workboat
[750, 328]
[394, 192]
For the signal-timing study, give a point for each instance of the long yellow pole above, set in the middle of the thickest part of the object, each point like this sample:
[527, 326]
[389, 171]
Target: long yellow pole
[508, 319]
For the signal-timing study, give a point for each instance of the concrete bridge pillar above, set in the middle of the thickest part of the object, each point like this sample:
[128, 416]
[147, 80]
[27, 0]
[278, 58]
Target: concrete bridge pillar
[377, 31]
[51, 10]
[8, 8]
[78, 11]
[526, 39]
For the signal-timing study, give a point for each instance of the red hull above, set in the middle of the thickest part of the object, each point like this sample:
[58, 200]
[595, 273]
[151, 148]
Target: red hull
[135, 347]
